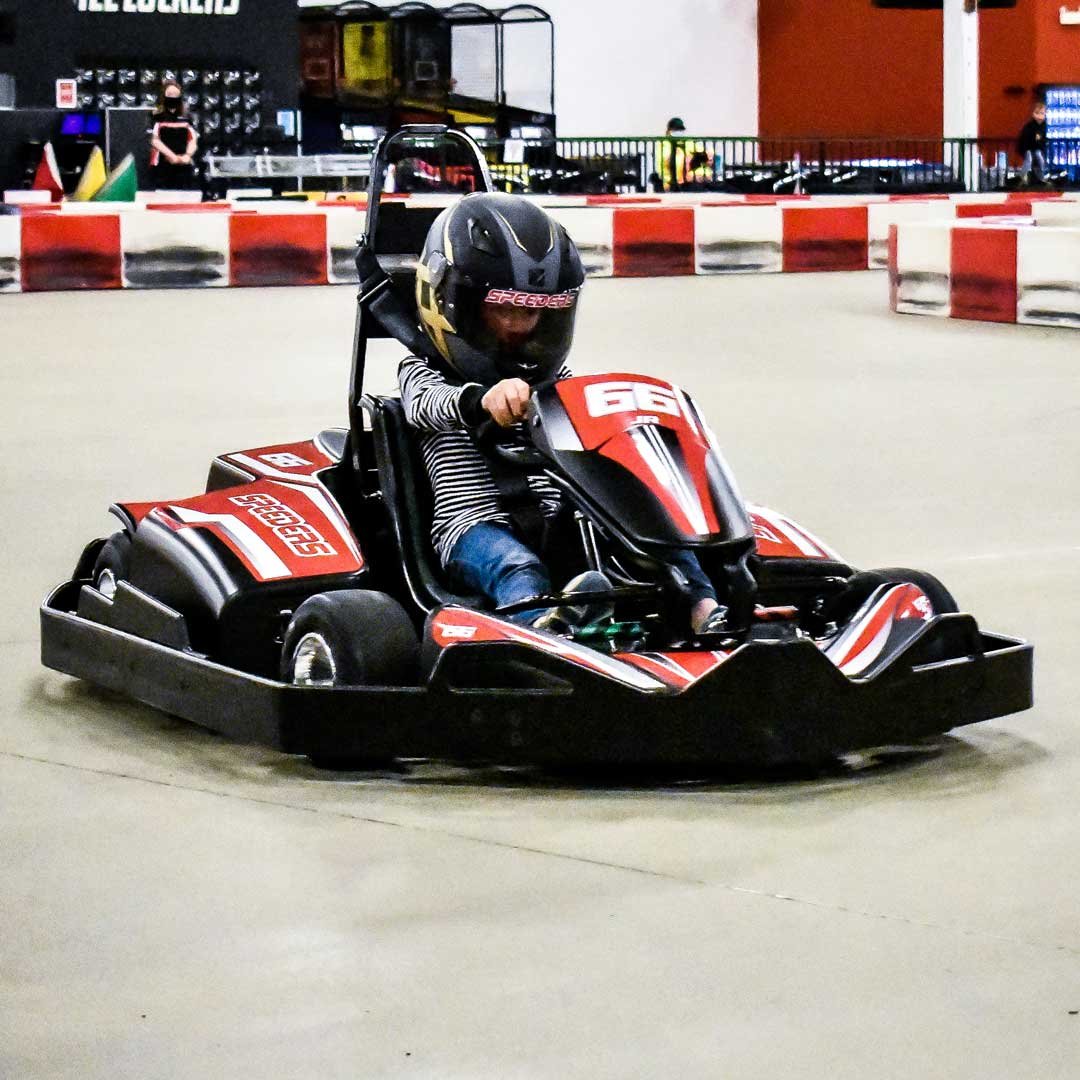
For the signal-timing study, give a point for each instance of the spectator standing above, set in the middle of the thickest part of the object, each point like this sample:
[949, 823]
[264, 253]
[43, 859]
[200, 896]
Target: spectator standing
[173, 141]
[685, 165]
[1032, 144]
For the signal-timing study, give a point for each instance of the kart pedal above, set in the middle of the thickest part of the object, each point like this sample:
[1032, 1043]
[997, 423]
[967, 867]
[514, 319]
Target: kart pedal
[784, 613]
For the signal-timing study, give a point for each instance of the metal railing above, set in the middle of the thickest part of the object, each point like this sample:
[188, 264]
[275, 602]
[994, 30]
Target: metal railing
[729, 164]
[786, 166]
[272, 166]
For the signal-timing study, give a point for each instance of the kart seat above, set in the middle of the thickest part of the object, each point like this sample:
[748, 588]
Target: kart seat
[407, 498]
[386, 263]
[393, 255]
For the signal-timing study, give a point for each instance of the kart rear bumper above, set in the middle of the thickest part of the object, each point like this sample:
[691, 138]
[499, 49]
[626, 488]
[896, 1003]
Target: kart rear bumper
[769, 703]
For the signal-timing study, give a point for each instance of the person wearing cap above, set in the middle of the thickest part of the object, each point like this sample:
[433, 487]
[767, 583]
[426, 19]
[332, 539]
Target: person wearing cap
[682, 164]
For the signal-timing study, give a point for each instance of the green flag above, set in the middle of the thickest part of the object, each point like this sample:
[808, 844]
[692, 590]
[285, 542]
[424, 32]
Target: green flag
[121, 185]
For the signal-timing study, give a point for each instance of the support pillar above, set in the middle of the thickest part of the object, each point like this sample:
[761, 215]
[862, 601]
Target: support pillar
[960, 55]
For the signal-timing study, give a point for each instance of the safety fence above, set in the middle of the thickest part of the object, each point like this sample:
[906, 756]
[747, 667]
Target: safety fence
[803, 165]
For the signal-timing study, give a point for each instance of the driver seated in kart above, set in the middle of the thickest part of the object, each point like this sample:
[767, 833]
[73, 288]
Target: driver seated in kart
[496, 288]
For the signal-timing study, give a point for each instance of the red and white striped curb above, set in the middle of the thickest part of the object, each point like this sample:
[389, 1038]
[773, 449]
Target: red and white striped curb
[997, 270]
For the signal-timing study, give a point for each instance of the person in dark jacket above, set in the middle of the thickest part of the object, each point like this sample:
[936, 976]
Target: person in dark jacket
[173, 141]
[1032, 144]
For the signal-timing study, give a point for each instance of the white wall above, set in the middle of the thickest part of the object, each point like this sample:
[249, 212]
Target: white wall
[622, 67]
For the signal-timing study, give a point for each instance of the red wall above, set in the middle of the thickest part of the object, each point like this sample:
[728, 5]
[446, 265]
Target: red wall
[1006, 68]
[1057, 52]
[1019, 49]
[844, 67]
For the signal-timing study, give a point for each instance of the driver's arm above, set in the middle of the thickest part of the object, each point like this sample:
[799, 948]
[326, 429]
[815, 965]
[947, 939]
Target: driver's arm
[432, 403]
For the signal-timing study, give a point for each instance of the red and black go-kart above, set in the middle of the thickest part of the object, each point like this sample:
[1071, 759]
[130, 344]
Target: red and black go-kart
[298, 602]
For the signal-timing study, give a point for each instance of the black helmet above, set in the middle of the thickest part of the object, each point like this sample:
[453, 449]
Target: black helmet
[497, 288]
[676, 124]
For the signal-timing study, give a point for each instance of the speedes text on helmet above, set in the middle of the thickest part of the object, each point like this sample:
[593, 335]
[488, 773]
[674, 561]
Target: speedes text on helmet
[530, 300]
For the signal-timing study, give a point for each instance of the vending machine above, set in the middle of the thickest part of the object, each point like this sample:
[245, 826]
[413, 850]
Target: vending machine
[1063, 129]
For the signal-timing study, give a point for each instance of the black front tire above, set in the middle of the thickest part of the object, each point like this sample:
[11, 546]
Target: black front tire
[112, 563]
[862, 584]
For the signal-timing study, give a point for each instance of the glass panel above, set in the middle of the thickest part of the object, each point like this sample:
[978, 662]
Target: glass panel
[527, 65]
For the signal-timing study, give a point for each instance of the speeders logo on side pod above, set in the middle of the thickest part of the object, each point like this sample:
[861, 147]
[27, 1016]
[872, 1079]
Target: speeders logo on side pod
[300, 537]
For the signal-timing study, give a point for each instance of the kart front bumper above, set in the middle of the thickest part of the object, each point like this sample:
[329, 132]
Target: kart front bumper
[769, 703]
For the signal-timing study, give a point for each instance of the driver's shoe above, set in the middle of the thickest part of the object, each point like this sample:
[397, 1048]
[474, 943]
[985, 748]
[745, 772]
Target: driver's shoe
[716, 622]
[567, 618]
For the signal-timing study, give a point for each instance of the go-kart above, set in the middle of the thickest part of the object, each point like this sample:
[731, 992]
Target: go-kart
[298, 602]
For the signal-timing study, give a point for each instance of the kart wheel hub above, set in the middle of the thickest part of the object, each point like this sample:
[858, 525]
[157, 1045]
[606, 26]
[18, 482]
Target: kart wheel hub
[313, 662]
[106, 583]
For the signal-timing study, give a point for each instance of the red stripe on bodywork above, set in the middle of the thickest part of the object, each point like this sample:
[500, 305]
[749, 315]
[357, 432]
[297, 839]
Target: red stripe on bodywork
[882, 615]
[614, 433]
[133, 511]
[463, 626]
[774, 542]
[622, 450]
[651, 671]
[274, 460]
[286, 538]
[677, 669]
[657, 668]
[899, 602]
[982, 278]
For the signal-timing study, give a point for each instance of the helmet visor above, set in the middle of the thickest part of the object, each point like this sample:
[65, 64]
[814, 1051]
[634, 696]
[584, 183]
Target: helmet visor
[526, 335]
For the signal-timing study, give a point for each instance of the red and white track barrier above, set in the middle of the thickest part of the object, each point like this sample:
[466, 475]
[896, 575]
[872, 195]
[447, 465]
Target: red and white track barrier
[996, 270]
[10, 254]
[174, 250]
[93, 246]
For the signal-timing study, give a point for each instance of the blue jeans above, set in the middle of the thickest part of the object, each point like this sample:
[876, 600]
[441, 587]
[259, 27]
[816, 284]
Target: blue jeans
[1036, 158]
[491, 560]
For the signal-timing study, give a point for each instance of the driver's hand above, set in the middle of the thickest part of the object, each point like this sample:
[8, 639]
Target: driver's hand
[507, 401]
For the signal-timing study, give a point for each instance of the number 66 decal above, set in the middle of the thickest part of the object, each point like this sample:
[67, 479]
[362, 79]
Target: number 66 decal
[603, 399]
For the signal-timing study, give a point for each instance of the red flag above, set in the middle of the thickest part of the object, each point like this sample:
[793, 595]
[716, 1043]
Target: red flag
[47, 177]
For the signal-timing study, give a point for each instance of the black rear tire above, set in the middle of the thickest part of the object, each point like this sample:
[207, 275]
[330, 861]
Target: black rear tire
[353, 637]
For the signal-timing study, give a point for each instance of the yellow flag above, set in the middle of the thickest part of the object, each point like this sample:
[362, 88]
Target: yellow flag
[93, 177]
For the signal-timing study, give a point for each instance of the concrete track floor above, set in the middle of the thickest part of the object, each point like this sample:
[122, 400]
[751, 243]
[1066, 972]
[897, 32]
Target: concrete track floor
[176, 906]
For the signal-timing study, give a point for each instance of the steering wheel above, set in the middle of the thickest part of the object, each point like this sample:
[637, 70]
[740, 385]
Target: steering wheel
[511, 445]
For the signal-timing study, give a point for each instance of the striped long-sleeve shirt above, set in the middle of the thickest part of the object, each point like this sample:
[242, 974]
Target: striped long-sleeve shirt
[464, 489]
